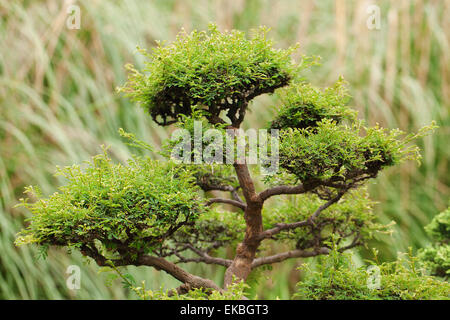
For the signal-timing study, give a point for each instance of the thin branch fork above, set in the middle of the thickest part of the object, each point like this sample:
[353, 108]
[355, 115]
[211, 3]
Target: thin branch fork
[203, 257]
[205, 186]
[299, 253]
[235, 203]
[301, 188]
[282, 227]
[278, 190]
[228, 188]
[289, 226]
[356, 242]
[236, 196]
[326, 205]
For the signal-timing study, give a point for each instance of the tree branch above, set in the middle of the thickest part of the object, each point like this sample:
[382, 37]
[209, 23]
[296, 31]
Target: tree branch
[326, 205]
[227, 201]
[176, 272]
[297, 253]
[205, 186]
[353, 244]
[278, 190]
[289, 226]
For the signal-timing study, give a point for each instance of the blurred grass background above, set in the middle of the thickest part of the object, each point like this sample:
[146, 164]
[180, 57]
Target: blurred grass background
[58, 105]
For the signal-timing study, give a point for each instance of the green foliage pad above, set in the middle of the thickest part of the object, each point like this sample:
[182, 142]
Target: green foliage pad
[136, 206]
[218, 71]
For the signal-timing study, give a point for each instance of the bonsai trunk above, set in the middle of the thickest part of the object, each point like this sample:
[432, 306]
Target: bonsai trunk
[246, 251]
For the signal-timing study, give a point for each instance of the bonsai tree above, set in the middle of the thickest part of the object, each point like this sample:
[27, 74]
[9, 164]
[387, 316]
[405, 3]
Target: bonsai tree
[164, 214]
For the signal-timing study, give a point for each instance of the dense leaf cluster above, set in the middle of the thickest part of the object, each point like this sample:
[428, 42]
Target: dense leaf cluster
[323, 144]
[344, 154]
[217, 71]
[302, 105]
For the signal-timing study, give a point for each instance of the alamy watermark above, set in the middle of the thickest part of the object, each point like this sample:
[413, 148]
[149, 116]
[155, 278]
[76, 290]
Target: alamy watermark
[212, 146]
[373, 277]
[73, 20]
[373, 22]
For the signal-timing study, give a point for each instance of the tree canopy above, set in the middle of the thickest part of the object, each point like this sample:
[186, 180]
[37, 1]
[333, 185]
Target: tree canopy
[221, 71]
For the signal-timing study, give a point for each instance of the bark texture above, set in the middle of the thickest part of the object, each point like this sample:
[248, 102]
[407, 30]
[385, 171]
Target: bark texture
[241, 266]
